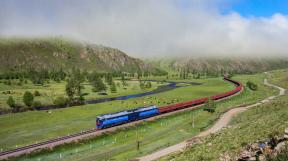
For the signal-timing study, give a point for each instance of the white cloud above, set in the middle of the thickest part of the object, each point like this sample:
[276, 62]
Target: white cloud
[151, 28]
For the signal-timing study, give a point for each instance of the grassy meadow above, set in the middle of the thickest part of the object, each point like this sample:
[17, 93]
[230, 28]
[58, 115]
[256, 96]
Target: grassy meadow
[155, 135]
[50, 91]
[251, 126]
[28, 127]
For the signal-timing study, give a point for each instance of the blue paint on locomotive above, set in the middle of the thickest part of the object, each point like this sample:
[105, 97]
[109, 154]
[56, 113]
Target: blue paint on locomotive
[117, 120]
[148, 113]
[113, 119]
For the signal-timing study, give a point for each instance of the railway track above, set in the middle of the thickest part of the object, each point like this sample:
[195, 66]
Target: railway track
[94, 132]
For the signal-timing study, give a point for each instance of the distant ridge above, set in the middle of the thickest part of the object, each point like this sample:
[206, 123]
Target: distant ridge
[59, 53]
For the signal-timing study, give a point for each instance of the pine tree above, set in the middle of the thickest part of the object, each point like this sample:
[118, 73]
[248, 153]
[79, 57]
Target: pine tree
[70, 89]
[113, 88]
[109, 78]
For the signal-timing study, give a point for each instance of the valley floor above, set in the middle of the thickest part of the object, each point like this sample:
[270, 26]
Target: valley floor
[156, 135]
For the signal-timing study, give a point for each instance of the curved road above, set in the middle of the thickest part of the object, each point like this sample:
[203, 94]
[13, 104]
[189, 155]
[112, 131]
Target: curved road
[222, 122]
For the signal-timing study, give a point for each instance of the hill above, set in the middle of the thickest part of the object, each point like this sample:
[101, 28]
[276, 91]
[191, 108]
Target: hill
[185, 67]
[58, 53]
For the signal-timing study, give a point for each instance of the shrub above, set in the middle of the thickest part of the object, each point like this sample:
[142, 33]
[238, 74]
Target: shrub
[37, 93]
[252, 85]
[28, 98]
[210, 106]
[11, 102]
[60, 101]
[37, 104]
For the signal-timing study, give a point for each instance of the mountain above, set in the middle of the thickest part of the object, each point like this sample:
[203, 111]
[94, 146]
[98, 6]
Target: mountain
[59, 53]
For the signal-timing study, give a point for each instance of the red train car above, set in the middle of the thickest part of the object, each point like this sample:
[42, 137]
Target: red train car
[182, 105]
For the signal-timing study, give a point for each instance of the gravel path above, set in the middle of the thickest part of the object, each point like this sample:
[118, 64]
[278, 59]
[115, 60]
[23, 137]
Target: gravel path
[222, 122]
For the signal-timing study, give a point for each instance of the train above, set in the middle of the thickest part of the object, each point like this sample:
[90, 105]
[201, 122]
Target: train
[122, 117]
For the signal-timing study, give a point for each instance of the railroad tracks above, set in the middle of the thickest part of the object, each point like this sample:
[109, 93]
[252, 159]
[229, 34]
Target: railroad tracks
[86, 134]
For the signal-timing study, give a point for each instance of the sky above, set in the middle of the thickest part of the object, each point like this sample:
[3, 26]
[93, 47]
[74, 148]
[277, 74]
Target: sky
[156, 28]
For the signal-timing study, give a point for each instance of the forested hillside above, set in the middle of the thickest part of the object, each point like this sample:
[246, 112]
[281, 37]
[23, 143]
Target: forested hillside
[213, 67]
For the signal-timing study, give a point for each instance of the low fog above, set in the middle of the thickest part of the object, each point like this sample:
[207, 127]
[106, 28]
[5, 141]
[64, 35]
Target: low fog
[149, 28]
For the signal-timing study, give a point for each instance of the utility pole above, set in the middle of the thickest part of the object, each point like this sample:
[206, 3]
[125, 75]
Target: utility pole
[137, 139]
[193, 124]
[138, 145]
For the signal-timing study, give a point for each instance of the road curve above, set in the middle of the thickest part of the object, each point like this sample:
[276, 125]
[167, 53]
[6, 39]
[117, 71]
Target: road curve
[222, 122]
[82, 135]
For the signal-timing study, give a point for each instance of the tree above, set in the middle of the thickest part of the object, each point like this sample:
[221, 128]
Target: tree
[142, 85]
[113, 88]
[73, 86]
[28, 98]
[210, 106]
[123, 80]
[98, 85]
[148, 85]
[70, 89]
[109, 78]
[11, 102]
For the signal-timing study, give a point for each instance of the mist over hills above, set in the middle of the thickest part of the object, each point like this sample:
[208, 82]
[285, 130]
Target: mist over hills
[59, 53]
[218, 66]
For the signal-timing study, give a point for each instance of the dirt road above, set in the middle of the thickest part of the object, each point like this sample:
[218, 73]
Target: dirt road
[222, 122]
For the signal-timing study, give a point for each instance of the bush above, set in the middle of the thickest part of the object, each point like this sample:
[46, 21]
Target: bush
[28, 98]
[37, 104]
[60, 101]
[11, 102]
[252, 85]
[210, 106]
[37, 93]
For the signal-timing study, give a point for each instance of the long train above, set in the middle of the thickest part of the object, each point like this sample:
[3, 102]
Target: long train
[122, 117]
[117, 119]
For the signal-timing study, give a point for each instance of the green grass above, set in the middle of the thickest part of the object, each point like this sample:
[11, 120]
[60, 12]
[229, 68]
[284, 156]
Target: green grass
[49, 92]
[253, 125]
[153, 135]
[280, 77]
[28, 127]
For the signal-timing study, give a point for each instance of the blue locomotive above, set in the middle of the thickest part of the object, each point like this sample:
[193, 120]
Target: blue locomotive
[113, 119]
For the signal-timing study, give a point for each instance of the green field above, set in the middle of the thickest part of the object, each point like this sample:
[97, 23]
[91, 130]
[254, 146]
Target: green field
[280, 77]
[249, 127]
[49, 92]
[157, 134]
[28, 127]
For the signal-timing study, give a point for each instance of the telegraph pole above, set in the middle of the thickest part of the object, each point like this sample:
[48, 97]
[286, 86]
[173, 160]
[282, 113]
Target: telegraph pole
[137, 140]
[193, 124]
